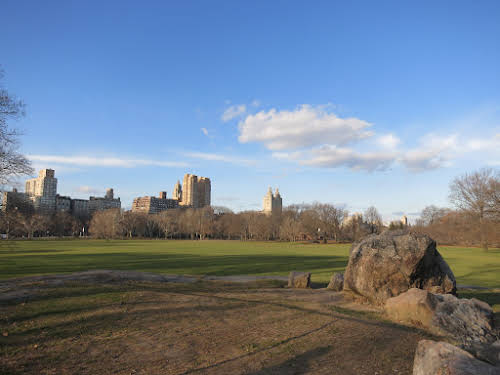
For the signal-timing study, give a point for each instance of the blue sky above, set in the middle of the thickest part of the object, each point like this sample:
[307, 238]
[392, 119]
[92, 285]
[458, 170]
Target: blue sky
[358, 103]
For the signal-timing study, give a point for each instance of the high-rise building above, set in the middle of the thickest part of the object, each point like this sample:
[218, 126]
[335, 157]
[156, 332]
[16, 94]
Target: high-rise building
[177, 191]
[42, 191]
[204, 191]
[196, 191]
[14, 200]
[272, 204]
[404, 220]
[104, 203]
[80, 207]
[63, 203]
[154, 205]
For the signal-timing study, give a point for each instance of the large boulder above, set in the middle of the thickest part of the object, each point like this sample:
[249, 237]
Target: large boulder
[299, 279]
[464, 320]
[386, 265]
[336, 282]
[439, 358]
[485, 352]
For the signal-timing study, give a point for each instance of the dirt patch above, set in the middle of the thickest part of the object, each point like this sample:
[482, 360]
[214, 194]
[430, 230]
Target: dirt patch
[145, 326]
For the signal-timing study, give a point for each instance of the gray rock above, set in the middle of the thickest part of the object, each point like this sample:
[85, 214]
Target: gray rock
[299, 279]
[386, 265]
[485, 352]
[336, 282]
[464, 320]
[442, 358]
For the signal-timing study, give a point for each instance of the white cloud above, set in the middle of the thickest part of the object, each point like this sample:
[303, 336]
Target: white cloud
[477, 144]
[233, 111]
[423, 160]
[219, 157]
[255, 103]
[116, 162]
[204, 131]
[88, 190]
[333, 157]
[388, 141]
[287, 155]
[304, 127]
[434, 152]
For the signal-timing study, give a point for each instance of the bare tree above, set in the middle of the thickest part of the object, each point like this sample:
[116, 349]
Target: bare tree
[168, 222]
[105, 224]
[477, 193]
[432, 214]
[290, 228]
[34, 223]
[331, 218]
[373, 219]
[12, 163]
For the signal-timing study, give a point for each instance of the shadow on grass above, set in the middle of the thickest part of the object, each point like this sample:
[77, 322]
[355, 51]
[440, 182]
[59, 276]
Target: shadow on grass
[169, 263]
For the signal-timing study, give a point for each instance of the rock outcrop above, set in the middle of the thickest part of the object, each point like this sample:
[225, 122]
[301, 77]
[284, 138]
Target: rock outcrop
[299, 279]
[486, 352]
[438, 358]
[336, 282]
[464, 320]
[386, 265]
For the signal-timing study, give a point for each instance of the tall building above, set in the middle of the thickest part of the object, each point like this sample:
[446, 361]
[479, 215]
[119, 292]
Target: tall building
[404, 220]
[154, 205]
[104, 203]
[14, 200]
[177, 191]
[196, 191]
[272, 203]
[41, 196]
[189, 198]
[80, 207]
[63, 203]
[204, 191]
[42, 191]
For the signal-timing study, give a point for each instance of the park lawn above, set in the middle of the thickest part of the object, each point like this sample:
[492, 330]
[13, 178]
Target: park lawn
[222, 258]
[471, 266]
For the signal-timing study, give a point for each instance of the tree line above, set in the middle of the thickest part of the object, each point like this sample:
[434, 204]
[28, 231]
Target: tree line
[474, 221]
[296, 223]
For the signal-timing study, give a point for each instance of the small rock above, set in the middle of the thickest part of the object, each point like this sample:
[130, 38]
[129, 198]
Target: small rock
[299, 279]
[336, 282]
[5, 334]
[438, 358]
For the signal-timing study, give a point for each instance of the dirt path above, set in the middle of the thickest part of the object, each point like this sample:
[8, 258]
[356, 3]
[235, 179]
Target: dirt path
[128, 326]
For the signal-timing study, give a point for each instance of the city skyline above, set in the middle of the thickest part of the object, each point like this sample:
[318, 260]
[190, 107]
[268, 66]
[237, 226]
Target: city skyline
[385, 110]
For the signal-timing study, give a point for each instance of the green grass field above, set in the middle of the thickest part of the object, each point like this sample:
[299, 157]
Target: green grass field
[471, 266]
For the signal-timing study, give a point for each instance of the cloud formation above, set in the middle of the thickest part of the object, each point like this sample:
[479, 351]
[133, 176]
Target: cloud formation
[433, 152]
[204, 131]
[88, 190]
[315, 136]
[233, 112]
[115, 162]
[303, 127]
[388, 141]
[332, 157]
[219, 157]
